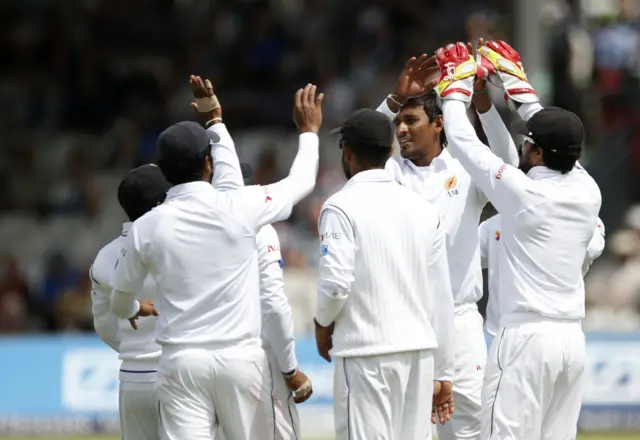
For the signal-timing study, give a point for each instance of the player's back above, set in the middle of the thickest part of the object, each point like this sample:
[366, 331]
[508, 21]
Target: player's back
[388, 308]
[545, 245]
[135, 345]
[205, 265]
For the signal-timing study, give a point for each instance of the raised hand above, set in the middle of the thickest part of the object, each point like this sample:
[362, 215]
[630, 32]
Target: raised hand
[418, 77]
[457, 73]
[206, 103]
[481, 99]
[506, 71]
[307, 109]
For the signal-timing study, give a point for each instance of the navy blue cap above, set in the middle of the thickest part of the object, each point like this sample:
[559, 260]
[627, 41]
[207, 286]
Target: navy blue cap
[553, 129]
[368, 128]
[182, 141]
[141, 190]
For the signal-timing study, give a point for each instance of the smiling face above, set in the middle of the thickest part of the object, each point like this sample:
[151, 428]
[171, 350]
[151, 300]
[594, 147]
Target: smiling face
[418, 136]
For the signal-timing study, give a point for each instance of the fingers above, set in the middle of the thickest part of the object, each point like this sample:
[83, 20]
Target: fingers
[428, 64]
[132, 321]
[194, 106]
[154, 312]
[311, 97]
[297, 99]
[409, 63]
[319, 99]
[441, 55]
[209, 87]
[481, 42]
[304, 398]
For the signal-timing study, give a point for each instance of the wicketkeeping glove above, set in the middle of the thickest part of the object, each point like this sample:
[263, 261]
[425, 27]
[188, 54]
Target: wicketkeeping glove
[457, 73]
[505, 71]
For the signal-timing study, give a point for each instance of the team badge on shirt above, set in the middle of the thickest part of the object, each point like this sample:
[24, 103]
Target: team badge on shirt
[497, 235]
[450, 186]
[267, 197]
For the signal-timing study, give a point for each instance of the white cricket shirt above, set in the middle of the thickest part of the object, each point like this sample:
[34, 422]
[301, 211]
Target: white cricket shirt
[387, 290]
[489, 238]
[547, 222]
[137, 348]
[460, 202]
[277, 322]
[200, 248]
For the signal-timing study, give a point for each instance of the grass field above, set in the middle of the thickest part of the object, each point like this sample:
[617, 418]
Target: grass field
[603, 436]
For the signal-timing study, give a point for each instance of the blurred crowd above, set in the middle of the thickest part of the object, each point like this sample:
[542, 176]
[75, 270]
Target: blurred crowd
[87, 85]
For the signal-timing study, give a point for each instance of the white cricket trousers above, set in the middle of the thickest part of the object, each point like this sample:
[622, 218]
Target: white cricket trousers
[470, 359]
[138, 406]
[285, 412]
[533, 383]
[203, 390]
[385, 397]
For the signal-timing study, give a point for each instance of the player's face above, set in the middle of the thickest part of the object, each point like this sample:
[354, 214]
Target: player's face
[417, 135]
[529, 155]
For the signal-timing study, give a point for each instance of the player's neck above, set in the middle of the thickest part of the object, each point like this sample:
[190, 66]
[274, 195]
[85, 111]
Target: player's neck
[426, 160]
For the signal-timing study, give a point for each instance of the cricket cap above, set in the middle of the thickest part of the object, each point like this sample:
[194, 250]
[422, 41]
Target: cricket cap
[184, 141]
[141, 190]
[555, 130]
[366, 128]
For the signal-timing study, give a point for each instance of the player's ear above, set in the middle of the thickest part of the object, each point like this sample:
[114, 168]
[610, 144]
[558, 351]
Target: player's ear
[438, 123]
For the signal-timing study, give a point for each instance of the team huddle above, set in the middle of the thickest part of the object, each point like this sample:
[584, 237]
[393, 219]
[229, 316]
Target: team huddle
[191, 295]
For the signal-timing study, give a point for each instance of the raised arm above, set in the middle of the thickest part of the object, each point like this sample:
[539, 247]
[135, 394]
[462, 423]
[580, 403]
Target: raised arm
[263, 205]
[227, 174]
[504, 185]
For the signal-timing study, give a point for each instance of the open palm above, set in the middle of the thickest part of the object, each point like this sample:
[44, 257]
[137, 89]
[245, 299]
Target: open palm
[418, 77]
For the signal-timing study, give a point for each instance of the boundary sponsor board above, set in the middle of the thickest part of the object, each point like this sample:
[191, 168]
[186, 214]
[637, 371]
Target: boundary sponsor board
[69, 385]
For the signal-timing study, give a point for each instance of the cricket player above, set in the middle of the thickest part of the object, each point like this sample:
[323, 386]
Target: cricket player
[384, 303]
[490, 246]
[277, 323]
[200, 248]
[428, 168]
[533, 381]
[140, 191]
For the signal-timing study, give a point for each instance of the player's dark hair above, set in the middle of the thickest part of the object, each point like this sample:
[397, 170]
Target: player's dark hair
[429, 103]
[370, 157]
[562, 161]
[185, 170]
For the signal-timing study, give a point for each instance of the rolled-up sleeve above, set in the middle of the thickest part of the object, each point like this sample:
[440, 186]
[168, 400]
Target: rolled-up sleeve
[337, 264]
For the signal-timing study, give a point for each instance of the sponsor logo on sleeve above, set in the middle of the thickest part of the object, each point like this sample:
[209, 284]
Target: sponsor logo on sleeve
[273, 248]
[500, 171]
[331, 236]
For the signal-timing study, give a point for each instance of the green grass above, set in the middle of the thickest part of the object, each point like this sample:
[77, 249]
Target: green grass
[599, 436]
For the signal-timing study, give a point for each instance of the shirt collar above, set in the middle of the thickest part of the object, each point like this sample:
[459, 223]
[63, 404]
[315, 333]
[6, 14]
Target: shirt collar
[439, 163]
[125, 228]
[540, 172]
[186, 188]
[379, 175]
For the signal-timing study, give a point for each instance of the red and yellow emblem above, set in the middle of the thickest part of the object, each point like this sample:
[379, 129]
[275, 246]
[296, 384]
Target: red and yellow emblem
[497, 235]
[450, 183]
